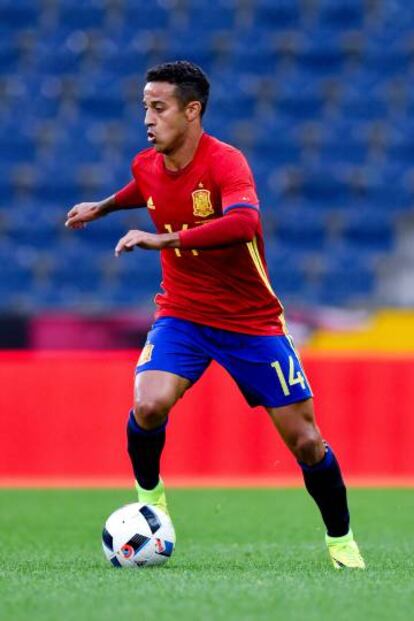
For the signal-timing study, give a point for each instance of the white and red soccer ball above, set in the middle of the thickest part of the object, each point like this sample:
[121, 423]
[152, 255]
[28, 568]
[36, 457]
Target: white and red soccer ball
[137, 535]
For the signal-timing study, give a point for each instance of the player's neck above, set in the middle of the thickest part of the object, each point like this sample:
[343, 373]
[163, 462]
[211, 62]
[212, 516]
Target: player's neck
[184, 154]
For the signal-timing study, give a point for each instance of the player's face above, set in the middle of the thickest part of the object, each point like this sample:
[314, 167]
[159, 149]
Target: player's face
[166, 118]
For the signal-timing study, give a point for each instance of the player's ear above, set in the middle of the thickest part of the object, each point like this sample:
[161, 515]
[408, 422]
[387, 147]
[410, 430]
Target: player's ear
[193, 110]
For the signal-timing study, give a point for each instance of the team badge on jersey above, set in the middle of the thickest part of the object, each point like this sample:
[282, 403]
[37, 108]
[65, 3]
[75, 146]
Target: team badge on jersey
[202, 206]
[146, 354]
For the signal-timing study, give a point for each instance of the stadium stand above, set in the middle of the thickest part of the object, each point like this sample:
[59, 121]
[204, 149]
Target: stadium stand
[317, 94]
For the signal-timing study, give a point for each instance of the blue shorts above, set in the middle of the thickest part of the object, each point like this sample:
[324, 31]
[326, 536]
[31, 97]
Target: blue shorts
[267, 369]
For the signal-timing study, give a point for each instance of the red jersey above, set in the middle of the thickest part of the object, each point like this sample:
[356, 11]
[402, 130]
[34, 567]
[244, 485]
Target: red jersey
[226, 287]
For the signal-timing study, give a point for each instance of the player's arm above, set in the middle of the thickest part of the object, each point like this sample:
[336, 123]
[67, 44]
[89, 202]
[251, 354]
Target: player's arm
[148, 241]
[129, 197]
[238, 225]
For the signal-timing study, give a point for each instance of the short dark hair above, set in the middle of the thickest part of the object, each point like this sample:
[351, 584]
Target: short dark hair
[191, 81]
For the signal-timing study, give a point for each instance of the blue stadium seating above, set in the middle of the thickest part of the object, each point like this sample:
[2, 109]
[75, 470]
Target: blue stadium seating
[341, 14]
[78, 16]
[285, 14]
[300, 228]
[366, 229]
[18, 15]
[317, 94]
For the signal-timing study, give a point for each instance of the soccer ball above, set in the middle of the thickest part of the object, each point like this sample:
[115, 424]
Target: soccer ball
[137, 535]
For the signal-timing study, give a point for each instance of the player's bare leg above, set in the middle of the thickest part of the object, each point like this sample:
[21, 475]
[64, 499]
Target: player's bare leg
[296, 424]
[155, 393]
[323, 479]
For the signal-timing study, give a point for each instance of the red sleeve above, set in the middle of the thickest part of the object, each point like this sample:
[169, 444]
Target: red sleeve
[129, 196]
[235, 179]
[237, 226]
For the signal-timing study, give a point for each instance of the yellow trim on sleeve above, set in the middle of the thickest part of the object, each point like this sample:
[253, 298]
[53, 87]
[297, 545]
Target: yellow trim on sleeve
[283, 320]
[255, 255]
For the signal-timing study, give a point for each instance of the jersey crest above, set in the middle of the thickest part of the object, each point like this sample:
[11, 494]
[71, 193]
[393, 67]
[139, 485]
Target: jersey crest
[202, 206]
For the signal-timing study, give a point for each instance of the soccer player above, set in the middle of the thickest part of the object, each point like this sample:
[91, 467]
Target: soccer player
[217, 301]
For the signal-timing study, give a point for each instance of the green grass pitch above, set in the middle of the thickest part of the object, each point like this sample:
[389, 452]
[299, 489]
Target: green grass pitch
[241, 554]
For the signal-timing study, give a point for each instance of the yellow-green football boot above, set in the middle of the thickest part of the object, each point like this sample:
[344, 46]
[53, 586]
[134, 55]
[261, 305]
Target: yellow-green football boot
[154, 496]
[344, 552]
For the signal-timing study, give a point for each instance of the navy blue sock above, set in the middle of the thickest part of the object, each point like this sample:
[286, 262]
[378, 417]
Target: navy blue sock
[325, 484]
[145, 448]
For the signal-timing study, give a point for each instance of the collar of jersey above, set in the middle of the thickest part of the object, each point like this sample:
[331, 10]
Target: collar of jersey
[178, 173]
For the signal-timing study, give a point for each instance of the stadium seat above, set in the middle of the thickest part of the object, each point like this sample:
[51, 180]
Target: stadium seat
[300, 229]
[203, 18]
[55, 188]
[363, 106]
[101, 106]
[395, 59]
[321, 57]
[147, 16]
[343, 150]
[18, 15]
[365, 229]
[17, 148]
[285, 14]
[79, 16]
[346, 286]
[9, 56]
[15, 278]
[341, 14]
[323, 184]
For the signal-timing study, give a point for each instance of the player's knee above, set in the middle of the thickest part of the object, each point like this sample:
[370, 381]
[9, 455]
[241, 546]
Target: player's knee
[151, 412]
[308, 448]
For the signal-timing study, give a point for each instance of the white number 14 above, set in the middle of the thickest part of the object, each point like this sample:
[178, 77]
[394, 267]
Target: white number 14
[293, 379]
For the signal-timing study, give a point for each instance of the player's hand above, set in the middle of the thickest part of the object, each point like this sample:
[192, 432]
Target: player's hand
[82, 213]
[149, 241]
